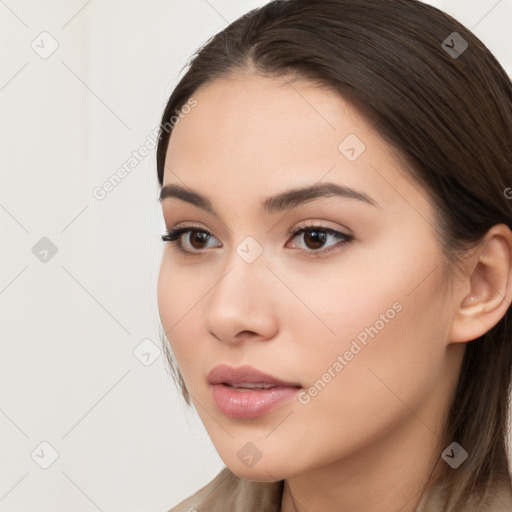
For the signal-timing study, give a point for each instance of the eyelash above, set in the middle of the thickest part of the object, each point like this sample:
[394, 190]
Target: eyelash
[174, 235]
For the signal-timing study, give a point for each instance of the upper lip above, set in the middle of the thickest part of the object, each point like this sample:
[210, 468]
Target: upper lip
[224, 374]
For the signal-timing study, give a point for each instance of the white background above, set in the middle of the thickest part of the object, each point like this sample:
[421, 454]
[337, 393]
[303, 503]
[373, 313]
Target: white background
[68, 375]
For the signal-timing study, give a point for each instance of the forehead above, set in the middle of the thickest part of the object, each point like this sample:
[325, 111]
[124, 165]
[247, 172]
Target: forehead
[232, 113]
[258, 135]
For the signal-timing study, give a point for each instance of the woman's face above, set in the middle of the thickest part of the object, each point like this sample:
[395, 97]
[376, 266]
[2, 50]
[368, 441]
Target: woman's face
[363, 328]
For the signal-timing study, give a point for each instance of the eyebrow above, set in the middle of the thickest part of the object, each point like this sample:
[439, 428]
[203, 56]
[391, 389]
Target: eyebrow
[278, 203]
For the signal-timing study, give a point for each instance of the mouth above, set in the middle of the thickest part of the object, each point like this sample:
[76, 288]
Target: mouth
[249, 386]
[245, 392]
[245, 377]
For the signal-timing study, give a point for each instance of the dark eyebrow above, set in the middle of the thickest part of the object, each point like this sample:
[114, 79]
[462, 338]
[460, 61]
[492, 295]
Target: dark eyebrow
[283, 201]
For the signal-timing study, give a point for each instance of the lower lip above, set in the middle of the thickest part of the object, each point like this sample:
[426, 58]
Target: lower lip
[250, 403]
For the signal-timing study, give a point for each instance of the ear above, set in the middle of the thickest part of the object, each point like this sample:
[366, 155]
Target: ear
[489, 279]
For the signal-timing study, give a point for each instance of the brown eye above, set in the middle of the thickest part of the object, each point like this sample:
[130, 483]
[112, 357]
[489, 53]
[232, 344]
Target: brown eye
[315, 237]
[196, 239]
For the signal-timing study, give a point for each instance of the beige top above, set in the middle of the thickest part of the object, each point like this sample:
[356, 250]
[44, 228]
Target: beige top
[230, 493]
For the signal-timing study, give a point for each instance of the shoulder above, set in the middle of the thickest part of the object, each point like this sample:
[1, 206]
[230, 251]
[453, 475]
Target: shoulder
[497, 498]
[229, 493]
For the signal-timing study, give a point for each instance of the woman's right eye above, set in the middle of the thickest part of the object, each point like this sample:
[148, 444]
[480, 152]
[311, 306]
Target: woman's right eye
[175, 237]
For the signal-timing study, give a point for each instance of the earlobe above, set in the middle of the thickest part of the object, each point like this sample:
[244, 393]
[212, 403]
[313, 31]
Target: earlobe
[490, 287]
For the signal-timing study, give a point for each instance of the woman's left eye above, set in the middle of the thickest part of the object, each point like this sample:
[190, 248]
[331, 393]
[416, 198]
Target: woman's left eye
[316, 237]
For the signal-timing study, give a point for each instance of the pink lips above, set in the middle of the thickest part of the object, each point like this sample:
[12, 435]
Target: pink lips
[236, 401]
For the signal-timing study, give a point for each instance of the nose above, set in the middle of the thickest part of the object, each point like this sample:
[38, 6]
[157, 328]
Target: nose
[243, 303]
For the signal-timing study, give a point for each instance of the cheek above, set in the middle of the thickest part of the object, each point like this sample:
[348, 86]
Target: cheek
[375, 385]
[179, 291]
[166, 296]
[387, 350]
[178, 298]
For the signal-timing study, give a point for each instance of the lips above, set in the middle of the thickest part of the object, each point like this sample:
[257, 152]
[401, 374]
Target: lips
[246, 377]
[247, 393]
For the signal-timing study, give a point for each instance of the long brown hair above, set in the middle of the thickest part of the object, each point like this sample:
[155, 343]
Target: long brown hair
[447, 109]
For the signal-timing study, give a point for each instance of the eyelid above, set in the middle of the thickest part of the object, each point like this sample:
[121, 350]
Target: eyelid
[320, 224]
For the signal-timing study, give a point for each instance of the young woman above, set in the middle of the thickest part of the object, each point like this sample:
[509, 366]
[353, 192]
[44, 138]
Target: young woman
[335, 285]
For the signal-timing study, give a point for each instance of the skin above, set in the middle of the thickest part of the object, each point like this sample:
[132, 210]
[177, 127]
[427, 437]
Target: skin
[368, 439]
